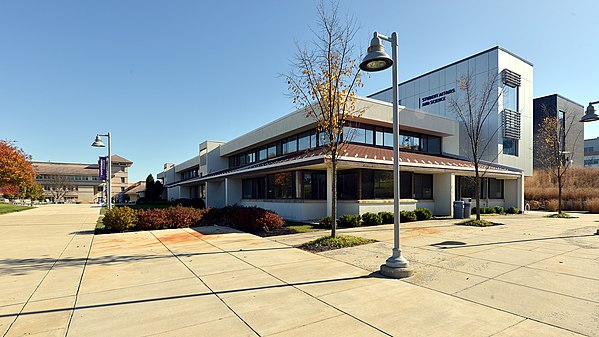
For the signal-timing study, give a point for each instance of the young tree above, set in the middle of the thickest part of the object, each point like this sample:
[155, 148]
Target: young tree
[473, 106]
[33, 191]
[323, 83]
[148, 194]
[59, 185]
[15, 166]
[553, 152]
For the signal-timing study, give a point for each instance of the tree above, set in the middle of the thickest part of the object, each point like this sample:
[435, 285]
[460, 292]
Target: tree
[33, 192]
[323, 82]
[15, 166]
[58, 185]
[157, 191]
[149, 187]
[473, 108]
[553, 152]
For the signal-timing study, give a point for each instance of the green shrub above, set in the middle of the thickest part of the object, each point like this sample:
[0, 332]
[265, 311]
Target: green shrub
[512, 210]
[371, 219]
[423, 214]
[326, 222]
[498, 209]
[387, 217]
[119, 219]
[350, 220]
[407, 216]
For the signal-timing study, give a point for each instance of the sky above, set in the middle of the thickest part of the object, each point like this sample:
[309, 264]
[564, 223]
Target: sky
[163, 76]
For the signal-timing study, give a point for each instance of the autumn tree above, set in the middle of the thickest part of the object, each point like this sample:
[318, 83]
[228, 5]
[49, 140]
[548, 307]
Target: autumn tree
[15, 166]
[323, 82]
[32, 191]
[474, 106]
[553, 152]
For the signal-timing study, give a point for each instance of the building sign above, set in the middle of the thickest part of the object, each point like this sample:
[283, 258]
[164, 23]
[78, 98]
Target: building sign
[436, 98]
[102, 168]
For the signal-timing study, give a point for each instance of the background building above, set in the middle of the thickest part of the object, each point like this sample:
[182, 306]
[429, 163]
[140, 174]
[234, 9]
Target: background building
[78, 182]
[591, 152]
[569, 113]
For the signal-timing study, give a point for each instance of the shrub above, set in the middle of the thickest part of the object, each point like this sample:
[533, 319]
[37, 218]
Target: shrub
[269, 220]
[350, 220]
[182, 217]
[407, 216]
[512, 210]
[326, 222]
[119, 219]
[593, 205]
[387, 217]
[186, 202]
[498, 209]
[552, 205]
[151, 219]
[423, 214]
[371, 219]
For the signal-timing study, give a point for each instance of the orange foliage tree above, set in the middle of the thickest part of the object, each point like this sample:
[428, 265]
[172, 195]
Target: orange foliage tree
[323, 83]
[16, 170]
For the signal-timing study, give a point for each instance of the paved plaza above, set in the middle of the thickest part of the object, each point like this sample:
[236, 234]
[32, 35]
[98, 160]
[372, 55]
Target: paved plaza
[531, 276]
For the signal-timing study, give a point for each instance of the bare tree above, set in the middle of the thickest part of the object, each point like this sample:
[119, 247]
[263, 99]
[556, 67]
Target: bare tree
[553, 152]
[58, 185]
[323, 83]
[473, 108]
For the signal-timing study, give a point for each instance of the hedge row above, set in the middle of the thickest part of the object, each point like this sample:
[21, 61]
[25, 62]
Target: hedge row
[495, 210]
[250, 219]
[373, 219]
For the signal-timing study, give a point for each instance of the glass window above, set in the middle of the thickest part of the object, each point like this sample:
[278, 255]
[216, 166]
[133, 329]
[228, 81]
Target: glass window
[280, 185]
[405, 187]
[347, 185]
[388, 139]
[290, 145]
[367, 184]
[242, 159]
[433, 145]
[246, 189]
[495, 188]
[383, 184]
[250, 157]
[510, 97]
[379, 137]
[510, 146]
[423, 186]
[409, 141]
[323, 139]
[304, 141]
[315, 184]
[262, 153]
[368, 136]
[272, 151]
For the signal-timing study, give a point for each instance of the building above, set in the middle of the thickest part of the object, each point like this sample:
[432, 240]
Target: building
[569, 113]
[281, 165]
[77, 182]
[135, 191]
[591, 152]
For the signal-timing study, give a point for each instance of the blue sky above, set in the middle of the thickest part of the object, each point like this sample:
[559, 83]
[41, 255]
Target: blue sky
[163, 76]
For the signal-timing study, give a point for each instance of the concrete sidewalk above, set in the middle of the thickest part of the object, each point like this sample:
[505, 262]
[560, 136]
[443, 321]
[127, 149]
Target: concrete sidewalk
[214, 281]
[42, 258]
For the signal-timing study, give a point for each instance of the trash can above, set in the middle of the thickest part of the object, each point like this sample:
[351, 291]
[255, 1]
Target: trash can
[467, 207]
[458, 209]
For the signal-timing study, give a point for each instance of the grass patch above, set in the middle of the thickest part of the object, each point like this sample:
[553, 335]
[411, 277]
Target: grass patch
[100, 229]
[5, 208]
[328, 243]
[561, 216]
[478, 223]
[292, 227]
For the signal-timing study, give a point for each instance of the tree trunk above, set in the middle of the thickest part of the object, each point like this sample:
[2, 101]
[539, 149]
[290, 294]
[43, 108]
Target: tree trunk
[559, 193]
[477, 192]
[334, 191]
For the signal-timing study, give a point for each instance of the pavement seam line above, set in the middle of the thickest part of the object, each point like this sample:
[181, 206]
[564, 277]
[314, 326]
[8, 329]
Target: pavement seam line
[293, 286]
[91, 243]
[39, 284]
[204, 283]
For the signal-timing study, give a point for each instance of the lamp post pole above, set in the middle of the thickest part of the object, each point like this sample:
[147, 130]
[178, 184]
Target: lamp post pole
[590, 116]
[98, 143]
[396, 266]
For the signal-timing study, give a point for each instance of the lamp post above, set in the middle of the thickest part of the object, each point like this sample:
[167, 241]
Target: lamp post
[590, 116]
[396, 266]
[98, 143]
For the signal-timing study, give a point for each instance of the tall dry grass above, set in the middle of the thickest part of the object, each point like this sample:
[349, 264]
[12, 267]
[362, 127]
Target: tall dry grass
[580, 192]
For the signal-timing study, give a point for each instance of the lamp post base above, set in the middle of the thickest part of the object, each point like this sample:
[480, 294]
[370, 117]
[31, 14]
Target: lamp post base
[396, 272]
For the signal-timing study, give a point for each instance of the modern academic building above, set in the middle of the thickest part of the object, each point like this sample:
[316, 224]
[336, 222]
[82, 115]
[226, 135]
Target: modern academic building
[282, 166]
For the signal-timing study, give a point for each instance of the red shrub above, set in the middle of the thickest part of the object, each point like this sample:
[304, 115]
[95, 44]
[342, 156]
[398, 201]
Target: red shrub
[182, 217]
[151, 219]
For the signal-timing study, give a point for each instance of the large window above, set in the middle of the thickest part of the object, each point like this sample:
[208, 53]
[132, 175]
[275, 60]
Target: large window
[304, 141]
[315, 185]
[290, 145]
[510, 146]
[423, 186]
[490, 188]
[383, 184]
[347, 185]
[280, 185]
[510, 97]
[254, 188]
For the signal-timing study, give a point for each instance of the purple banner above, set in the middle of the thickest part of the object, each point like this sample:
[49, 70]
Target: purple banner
[102, 168]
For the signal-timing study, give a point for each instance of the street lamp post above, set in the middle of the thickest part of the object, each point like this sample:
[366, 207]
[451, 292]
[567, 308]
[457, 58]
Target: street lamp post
[396, 266]
[591, 116]
[98, 143]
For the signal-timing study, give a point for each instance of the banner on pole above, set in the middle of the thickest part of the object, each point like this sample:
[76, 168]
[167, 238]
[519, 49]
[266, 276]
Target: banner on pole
[102, 168]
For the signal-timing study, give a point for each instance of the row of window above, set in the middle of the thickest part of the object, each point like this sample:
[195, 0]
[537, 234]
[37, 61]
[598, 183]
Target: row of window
[588, 162]
[351, 185]
[367, 135]
[66, 188]
[66, 177]
[189, 174]
[490, 188]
